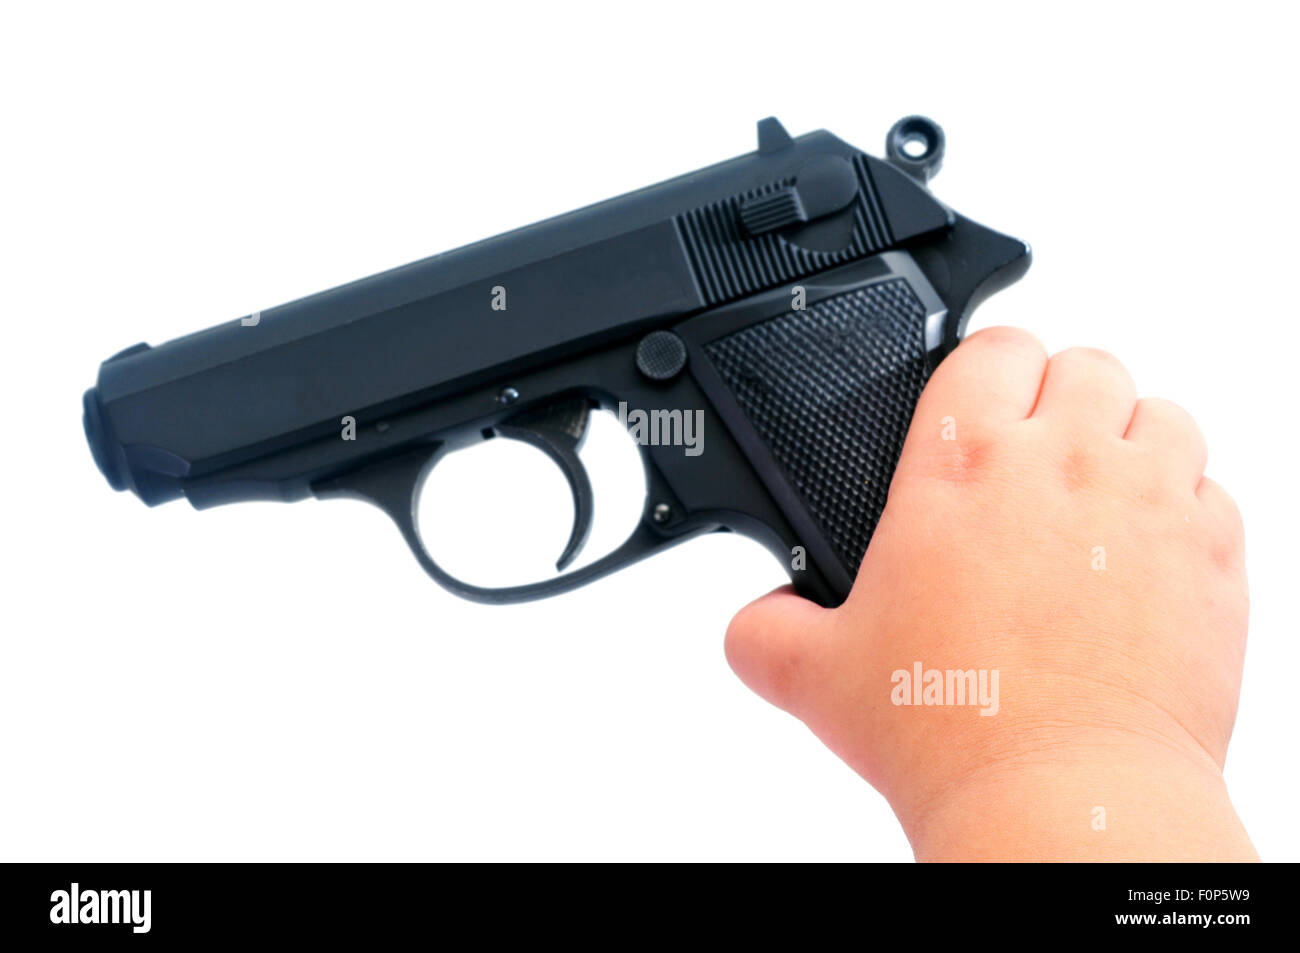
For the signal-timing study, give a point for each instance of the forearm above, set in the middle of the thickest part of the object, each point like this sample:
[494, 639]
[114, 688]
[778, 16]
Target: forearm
[1142, 803]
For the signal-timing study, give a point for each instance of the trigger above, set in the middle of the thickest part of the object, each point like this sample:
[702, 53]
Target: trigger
[558, 430]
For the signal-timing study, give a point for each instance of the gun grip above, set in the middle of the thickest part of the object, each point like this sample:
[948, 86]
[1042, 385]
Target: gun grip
[817, 385]
[830, 391]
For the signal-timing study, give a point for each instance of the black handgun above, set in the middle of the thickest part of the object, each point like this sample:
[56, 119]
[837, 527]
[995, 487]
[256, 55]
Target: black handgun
[790, 303]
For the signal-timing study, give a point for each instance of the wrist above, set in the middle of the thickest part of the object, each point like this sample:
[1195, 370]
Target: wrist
[1126, 800]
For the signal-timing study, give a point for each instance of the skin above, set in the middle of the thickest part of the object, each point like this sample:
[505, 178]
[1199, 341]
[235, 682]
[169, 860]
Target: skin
[1045, 523]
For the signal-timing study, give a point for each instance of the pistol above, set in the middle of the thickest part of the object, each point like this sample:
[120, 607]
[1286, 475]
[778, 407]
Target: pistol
[790, 303]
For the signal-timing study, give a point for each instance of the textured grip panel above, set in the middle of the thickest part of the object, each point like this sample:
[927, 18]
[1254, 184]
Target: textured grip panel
[831, 390]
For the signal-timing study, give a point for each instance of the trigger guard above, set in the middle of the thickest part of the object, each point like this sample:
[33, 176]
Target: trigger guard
[394, 485]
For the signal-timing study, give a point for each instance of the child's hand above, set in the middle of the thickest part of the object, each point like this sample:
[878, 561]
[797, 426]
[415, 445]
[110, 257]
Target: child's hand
[1044, 523]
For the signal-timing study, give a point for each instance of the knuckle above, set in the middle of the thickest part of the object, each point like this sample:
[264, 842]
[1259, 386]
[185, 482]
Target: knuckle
[1090, 357]
[965, 460]
[1165, 421]
[1005, 336]
[1227, 531]
[1170, 412]
[1163, 406]
[1080, 468]
[1231, 513]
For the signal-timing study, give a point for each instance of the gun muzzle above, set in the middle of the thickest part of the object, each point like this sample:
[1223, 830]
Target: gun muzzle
[142, 470]
[106, 451]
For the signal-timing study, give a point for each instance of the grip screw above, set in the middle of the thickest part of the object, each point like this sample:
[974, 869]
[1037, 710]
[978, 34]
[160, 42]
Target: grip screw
[508, 395]
[661, 513]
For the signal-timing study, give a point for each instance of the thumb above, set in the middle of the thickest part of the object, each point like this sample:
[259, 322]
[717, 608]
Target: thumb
[778, 647]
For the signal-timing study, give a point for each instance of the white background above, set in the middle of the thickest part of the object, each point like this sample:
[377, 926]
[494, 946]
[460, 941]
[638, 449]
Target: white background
[272, 681]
